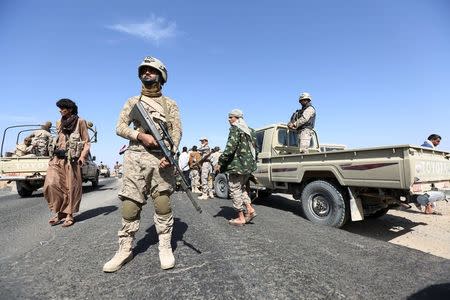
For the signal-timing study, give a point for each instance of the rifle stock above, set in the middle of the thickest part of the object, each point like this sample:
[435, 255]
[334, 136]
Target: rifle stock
[139, 114]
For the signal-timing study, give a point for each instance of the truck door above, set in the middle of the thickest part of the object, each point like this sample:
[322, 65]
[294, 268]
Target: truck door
[262, 173]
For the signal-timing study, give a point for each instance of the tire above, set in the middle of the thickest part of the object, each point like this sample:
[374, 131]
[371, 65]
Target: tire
[95, 181]
[323, 203]
[23, 189]
[221, 186]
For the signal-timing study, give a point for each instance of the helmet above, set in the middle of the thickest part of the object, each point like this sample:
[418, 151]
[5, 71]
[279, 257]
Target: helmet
[203, 138]
[156, 64]
[304, 96]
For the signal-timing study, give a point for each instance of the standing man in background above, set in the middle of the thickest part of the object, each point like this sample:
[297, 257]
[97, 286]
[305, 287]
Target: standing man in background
[239, 161]
[183, 163]
[303, 120]
[205, 152]
[63, 182]
[146, 171]
[194, 158]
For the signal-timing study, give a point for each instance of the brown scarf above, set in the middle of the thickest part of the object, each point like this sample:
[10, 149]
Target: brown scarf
[152, 91]
[69, 124]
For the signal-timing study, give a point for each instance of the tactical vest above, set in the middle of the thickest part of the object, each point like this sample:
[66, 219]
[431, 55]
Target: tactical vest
[158, 111]
[74, 143]
[310, 123]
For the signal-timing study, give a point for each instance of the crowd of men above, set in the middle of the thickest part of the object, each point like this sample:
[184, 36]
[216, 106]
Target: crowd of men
[198, 166]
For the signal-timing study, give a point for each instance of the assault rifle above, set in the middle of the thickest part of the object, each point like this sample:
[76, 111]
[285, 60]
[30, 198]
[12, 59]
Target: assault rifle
[139, 114]
[202, 160]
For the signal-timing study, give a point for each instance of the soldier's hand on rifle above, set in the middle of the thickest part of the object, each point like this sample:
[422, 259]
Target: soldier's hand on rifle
[164, 163]
[147, 140]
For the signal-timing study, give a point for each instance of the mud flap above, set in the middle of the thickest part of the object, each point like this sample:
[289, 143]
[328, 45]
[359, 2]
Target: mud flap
[356, 209]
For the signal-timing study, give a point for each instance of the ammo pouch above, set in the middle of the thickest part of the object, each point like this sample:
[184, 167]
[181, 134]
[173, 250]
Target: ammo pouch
[60, 153]
[75, 145]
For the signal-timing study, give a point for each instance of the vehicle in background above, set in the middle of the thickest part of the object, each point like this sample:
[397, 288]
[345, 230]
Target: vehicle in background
[104, 170]
[350, 184]
[29, 171]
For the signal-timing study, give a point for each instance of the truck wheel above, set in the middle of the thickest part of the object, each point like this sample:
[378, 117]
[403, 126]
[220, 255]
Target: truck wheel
[23, 189]
[95, 181]
[324, 204]
[221, 186]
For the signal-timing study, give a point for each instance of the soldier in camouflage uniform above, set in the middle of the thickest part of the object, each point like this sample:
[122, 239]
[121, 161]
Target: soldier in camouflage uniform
[239, 161]
[146, 171]
[40, 139]
[303, 121]
[194, 158]
[205, 152]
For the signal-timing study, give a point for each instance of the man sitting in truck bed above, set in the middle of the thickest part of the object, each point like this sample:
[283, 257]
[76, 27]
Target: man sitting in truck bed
[40, 139]
[24, 148]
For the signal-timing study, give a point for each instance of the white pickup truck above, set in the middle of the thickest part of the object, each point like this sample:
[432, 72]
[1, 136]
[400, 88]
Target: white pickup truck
[349, 184]
[29, 171]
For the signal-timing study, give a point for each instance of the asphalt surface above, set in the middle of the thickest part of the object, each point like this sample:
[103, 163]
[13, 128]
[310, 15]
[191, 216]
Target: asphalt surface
[279, 256]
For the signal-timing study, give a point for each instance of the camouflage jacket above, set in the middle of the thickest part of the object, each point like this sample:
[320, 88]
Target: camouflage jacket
[237, 157]
[165, 110]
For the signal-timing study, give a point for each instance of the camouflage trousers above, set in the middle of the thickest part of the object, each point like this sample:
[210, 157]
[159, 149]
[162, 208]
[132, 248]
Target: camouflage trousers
[195, 179]
[304, 139]
[206, 171]
[143, 177]
[238, 190]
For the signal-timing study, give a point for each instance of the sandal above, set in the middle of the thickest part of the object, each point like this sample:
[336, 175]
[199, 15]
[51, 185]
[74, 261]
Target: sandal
[68, 222]
[55, 220]
[250, 217]
[236, 222]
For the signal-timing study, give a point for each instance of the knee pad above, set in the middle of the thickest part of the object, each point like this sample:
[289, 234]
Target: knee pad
[131, 210]
[162, 204]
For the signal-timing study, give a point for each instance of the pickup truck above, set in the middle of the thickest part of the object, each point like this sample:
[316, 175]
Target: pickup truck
[342, 185]
[29, 171]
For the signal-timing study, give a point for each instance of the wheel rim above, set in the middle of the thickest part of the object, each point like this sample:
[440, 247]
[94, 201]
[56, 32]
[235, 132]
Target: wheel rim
[320, 206]
[221, 185]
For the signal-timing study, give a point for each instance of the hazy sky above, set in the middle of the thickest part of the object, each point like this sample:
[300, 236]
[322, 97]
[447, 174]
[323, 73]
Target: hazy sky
[378, 71]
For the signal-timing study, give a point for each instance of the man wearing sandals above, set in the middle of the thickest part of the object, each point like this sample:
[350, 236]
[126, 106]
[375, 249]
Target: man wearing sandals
[63, 182]
[239, 161]
[146, 171]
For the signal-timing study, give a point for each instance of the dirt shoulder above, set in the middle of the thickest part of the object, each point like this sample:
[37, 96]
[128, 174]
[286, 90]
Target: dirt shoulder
[411, 228]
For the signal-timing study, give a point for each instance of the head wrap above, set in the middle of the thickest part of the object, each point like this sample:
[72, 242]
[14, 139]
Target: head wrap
[242, 125]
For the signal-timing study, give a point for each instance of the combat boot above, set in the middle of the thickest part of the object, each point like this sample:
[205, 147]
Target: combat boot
[122, 256]
[211, 195]
[165, 251]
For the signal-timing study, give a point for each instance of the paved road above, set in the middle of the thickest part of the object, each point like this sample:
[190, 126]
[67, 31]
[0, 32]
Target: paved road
[279, 256]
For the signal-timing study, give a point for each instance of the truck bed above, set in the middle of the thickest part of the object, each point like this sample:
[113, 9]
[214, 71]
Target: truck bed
[394, 167]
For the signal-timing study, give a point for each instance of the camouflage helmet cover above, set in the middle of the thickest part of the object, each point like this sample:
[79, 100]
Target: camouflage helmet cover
[305, 95]
[155, 63]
